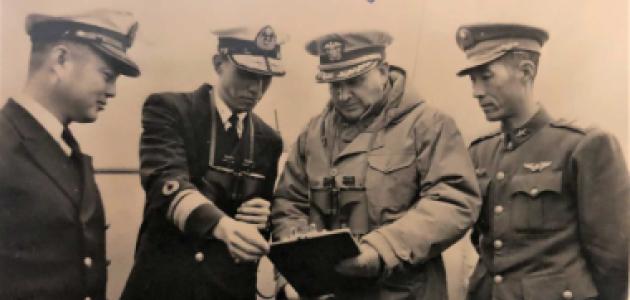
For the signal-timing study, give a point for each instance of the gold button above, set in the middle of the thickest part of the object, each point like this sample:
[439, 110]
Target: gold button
[333, 172]
[498, 209]
[199, 256]
[498, 279]
[534, 191]
[500, 175]
[567, 294]
[87, 262]
[498, 244]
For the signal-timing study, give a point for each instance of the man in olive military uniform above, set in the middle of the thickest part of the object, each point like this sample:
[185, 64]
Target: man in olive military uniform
[52, 223]
[208, 165]
[401, 167]
[554, 218]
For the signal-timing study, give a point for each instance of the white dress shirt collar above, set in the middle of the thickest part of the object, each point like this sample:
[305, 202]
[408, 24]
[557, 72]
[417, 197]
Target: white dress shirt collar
[51, 124]
[225, 112]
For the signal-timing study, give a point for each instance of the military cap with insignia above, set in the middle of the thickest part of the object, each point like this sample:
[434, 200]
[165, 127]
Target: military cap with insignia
[109, 32]
[484, 43]
[346, 55]
[253, 49]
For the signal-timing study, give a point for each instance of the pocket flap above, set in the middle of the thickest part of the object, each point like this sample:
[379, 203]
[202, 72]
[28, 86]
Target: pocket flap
[577, 286]
[390, 162]
[536, 183]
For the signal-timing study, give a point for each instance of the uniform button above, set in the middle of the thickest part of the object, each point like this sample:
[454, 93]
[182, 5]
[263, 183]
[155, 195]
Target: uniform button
[333, 172]
[567, 294]
[199, 256]
[498, 279]
[87, 262]
[534, 191]
[498, 244]
[500, 175]
[498, 209]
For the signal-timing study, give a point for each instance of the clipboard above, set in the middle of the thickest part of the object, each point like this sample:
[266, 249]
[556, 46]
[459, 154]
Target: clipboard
[308, 261]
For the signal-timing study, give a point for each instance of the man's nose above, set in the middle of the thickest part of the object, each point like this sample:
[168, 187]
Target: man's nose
[479, 90]
[110, 90]
[255, 87]
[342, 93]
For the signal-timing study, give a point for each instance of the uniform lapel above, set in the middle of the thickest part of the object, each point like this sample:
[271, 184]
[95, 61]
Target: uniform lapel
[201, 100]
[89, 195]
[42, 148]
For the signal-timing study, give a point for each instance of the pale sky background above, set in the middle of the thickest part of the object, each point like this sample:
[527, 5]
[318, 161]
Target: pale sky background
[583, 73]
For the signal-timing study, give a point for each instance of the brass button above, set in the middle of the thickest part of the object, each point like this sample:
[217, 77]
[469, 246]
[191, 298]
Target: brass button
[534, 192]
[199, 256]
[498, 244]
[567, 294]
[500, 175]
[333, 172]
[87, 262]
[498, 209]
[498, 279]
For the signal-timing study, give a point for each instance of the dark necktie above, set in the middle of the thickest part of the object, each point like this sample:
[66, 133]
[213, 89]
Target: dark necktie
[231, 132]
[75, 156]
[67, 137]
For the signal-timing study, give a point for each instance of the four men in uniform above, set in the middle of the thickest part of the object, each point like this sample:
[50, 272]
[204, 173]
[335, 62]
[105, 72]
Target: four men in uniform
[555, 195]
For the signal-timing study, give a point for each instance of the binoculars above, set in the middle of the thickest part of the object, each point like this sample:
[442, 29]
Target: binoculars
[342, 206]
[229, 187]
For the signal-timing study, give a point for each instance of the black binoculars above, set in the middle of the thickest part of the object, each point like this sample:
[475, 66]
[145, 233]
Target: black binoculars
[229, 187]
[342, 206]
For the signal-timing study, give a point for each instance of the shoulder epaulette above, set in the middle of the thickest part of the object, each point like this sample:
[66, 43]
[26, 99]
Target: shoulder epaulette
[485, 137]
[571, 125]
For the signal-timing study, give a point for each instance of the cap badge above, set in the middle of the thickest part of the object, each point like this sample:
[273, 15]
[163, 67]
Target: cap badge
[464, 38]
[266, 39]
[537, 167]
[333, 50]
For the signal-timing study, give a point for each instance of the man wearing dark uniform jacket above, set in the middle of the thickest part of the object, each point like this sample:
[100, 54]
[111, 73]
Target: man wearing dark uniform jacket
[554, 223]
[52, 223]
[208, 165]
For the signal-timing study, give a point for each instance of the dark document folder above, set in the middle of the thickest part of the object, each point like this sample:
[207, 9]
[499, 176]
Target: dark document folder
[308, 261]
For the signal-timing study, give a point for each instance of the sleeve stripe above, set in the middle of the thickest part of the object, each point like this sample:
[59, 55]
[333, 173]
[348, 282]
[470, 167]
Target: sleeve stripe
[183, 205]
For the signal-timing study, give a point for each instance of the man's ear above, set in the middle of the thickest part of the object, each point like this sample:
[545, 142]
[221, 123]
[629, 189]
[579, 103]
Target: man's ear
[58, 58]
[217, 62]
[528, 68]
[384, 68]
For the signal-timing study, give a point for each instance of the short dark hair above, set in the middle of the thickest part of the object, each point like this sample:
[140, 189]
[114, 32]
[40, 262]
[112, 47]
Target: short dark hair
[515, 57]
[37, 57]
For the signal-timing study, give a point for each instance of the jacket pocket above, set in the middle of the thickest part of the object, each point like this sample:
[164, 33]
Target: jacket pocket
[538, 204]
[392, 182]
[390, 162]
[578, 286]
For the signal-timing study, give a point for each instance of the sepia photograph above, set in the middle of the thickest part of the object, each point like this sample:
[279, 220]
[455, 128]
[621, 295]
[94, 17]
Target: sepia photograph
[330, 149]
